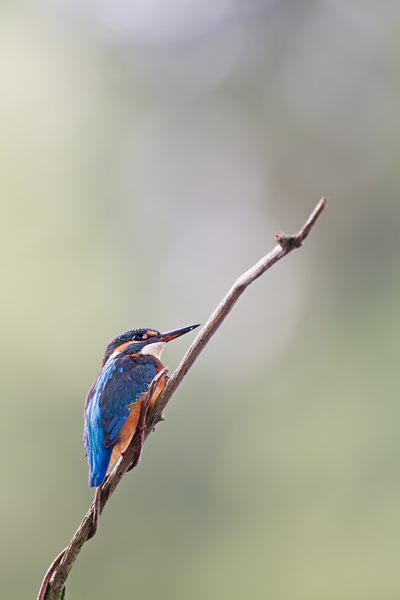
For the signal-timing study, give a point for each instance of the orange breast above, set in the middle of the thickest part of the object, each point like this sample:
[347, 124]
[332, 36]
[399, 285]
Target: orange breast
[129, 429]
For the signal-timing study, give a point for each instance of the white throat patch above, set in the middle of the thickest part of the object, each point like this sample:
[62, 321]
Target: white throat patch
[154, 349]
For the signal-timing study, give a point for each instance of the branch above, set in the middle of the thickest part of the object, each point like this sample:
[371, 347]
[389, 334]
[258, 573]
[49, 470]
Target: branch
[53, 584]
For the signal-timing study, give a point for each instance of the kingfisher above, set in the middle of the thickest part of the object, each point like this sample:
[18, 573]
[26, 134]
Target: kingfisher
[112, 407]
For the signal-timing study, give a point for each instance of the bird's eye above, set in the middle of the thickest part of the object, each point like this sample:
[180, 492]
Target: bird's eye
[136, 337]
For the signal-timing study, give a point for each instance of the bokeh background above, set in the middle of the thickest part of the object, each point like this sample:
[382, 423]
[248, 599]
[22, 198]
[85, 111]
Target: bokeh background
[149, 151]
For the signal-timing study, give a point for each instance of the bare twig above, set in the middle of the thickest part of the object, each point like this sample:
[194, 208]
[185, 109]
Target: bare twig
[53, 584]
[47, 577]
[96, 512]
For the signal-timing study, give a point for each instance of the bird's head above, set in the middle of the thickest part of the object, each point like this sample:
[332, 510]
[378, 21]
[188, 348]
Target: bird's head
[142, 341]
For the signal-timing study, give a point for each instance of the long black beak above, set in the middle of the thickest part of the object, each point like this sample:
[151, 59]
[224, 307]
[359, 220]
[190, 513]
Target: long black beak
[171, 335]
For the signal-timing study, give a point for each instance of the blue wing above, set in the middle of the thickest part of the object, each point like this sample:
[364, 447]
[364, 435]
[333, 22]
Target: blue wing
[120, 383]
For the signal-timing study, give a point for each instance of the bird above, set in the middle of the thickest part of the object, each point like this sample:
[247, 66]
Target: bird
[113, 404]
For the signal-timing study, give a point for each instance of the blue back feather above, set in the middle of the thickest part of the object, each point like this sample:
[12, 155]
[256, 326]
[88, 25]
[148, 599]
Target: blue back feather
[121, 382]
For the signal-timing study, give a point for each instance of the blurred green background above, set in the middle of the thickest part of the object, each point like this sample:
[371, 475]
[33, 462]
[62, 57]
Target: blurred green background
[149, 152]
